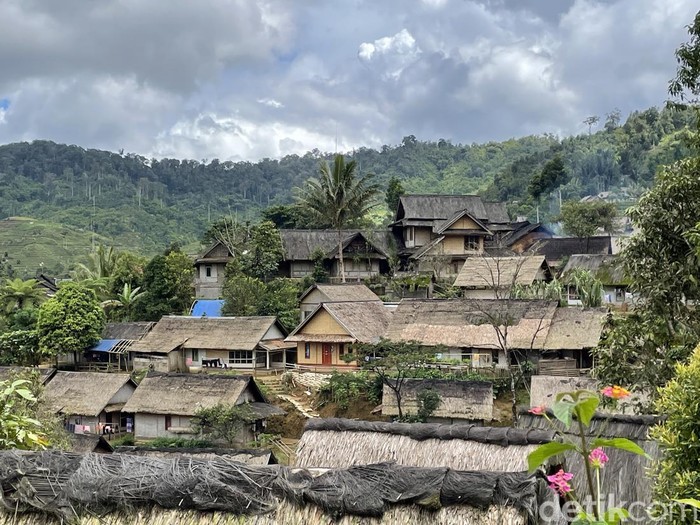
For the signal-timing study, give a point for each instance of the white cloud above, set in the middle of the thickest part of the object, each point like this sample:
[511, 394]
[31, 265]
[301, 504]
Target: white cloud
[390, 54]
[271, 102]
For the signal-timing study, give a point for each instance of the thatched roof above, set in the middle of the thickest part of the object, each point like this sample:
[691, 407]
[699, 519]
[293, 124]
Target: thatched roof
[83, 443]
[502, 272]
[342, 443]
[342, 292]
[257, 456]
[575, 328]
[470, 400]
[299, 245]
[217, 252]
[184, 394]
[442, 226]
[626, 475]
[441, 207]
[8, 372]
[468, 323]
[83, 393]
[205, 333]
[364, 322]
[130, 331]
[606, 268]
[556, 248]
[48, 487]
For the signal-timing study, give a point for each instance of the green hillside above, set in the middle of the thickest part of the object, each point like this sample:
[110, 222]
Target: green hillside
[28, 246]
[144, 205]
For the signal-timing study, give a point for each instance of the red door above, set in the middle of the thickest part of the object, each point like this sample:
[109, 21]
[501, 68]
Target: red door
[327, 354]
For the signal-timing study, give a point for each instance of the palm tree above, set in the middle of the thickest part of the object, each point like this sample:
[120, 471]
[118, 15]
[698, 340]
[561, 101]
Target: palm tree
[124, 301]
[17, 294]
[337, 198]
[97, 273]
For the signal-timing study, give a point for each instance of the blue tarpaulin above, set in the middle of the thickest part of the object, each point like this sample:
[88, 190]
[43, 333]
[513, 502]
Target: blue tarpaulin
[207, 307]
[105, 345]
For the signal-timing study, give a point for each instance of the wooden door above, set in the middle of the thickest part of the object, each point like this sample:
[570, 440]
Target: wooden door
[327, 354]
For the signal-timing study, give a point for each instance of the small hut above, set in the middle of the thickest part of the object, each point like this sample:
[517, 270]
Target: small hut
[460, 401]
[55, 487]
[336, 293]
[342, 443]
[90, 402]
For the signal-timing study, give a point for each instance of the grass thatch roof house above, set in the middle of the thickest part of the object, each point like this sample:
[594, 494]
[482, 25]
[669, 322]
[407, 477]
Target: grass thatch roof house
[342, 443]
[324, 337]
[164, 404]
[210, 270]
[112, 350]
[487, 277]
[178, 343]
[626, 475]
[333, 293]
[460, 401]
[465, 326]
[606, 268]
[90, 400]
[54, 487]
[365, 253]
[255, 456]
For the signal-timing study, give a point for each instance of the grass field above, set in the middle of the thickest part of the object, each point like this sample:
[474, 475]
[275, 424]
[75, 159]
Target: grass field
[30, 245]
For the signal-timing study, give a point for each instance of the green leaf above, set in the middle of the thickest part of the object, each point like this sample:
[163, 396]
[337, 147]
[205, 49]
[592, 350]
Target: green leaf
[614, 516]
[689, 501]
[542, 453]
[619, 443]
[562, 411]
[585, 409]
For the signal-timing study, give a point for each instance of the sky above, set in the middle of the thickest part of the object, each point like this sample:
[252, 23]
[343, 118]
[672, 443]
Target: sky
[244, 79]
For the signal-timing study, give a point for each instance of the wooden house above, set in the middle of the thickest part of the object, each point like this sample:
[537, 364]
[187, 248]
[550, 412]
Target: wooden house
[179, 343]
[607, 269]
[438, 232]
[210, 271]
[164, 404]
[538, 331]
[558, 250]
[487, 277]
[326, 335]
[111, 352]
[365, 254]
[336, 293]
[460, 401]
[90, 401]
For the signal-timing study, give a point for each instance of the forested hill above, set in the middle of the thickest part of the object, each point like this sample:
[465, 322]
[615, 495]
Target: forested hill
[144, 204]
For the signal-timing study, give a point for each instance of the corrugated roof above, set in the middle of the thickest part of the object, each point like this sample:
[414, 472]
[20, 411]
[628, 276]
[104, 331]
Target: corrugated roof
[184, 394]
[556, 248]
[105, 345]
[82, 393]
[365, 321]
[207, 308]
[500, 272]
[132, 331]
[206, 333]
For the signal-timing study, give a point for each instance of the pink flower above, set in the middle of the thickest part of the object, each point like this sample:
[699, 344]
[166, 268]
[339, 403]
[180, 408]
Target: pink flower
[559, 482]
[538, 411]
[598, 457]
[615, 392]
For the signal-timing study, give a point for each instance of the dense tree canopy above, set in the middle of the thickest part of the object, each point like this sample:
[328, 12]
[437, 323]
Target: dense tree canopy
[167, 286]
[71, 321]
[584, 219]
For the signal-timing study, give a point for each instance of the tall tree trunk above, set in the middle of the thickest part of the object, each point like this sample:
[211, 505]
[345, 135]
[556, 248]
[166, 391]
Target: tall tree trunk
[341, 263]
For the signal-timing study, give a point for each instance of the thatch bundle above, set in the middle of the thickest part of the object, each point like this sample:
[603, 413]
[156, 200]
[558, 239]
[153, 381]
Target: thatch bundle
[38, 487]
[341, 443]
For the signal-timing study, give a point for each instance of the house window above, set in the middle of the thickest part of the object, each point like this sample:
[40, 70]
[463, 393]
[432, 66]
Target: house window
[409, 234]
[207, 269]
[471, 243]
[237, 357]
[341, 349]
[195, 354]
[307, 351]
[168, 422]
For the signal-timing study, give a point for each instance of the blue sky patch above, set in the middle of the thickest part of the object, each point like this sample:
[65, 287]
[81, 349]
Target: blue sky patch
[4, 103]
